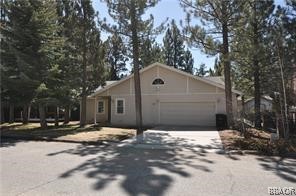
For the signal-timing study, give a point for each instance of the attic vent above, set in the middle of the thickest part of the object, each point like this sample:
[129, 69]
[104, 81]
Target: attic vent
[158, 81]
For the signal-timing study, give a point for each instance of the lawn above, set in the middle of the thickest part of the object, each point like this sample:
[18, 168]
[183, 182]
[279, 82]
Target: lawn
[71, 132]
[257, 141]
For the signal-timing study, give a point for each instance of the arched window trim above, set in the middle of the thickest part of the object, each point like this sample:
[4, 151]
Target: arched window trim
[158, 81]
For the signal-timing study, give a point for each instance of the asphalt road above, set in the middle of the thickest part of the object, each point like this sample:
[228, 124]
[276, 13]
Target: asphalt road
[55, 168]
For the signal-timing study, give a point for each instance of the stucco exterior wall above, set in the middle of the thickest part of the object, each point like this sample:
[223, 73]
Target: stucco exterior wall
[176, 88]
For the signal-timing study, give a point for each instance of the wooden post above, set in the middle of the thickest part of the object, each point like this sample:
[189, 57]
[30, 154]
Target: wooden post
[11, 113]
[95, 112]
[29, 112]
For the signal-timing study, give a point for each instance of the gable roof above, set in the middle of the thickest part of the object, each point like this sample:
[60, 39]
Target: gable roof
[217, 79]
[107, 83]
[266, 97]
[205, 80]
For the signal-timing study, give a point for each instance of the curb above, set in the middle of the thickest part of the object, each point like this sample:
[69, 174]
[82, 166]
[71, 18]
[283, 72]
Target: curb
[24, 138]
[254, 152]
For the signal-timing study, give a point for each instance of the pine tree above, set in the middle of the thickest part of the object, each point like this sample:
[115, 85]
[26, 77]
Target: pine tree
[128, 16]
[252, 26]
[89, 51]
[202, 70]
[188, 62]
[218, 68]
[30, 50]
[69, 85]
[221, 16]
[174, 47]
[151, 52]
[116, 56]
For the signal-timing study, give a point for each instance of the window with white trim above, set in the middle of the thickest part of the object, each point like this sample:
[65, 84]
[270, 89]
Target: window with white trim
[120, 106]
[101, 107]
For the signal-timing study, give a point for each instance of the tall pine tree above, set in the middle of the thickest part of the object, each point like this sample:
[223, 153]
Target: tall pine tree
[90, 51]
[249, 45]
[221, 17]
[116, 56]
[173, 46]
[130, 24]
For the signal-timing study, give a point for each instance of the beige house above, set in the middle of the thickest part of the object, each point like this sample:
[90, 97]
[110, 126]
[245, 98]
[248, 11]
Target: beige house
[169, 97]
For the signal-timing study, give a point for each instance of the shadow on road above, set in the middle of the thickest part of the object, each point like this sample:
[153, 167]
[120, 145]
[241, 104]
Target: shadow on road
[143, 171]
[283, 167]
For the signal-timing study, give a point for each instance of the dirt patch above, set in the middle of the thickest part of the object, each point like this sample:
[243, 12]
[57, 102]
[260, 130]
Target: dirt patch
[104, 134]
[256, 140]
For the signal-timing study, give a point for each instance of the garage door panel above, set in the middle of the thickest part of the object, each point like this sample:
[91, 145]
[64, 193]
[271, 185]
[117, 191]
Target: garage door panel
[195, 113]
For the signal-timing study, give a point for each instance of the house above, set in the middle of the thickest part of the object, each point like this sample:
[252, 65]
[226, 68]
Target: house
[169, 97]
[265, 104]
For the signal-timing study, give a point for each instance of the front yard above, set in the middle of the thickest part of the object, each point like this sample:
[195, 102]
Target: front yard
[70, 133]
[257, 141]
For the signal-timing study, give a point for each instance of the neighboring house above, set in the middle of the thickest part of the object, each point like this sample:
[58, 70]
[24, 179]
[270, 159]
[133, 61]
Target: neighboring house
[169, 97]
[265, 105]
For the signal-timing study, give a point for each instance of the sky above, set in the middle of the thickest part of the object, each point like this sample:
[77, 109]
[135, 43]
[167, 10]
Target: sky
[170, 9]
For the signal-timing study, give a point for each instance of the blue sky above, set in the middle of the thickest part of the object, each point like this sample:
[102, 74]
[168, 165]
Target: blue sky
[170, 9]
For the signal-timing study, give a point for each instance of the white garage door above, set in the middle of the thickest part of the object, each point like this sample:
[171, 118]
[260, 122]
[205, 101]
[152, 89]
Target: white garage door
[195, 113]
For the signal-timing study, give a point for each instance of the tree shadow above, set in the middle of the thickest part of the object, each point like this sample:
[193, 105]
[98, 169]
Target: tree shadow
[4, 143]
[141, 171]
[281, 166]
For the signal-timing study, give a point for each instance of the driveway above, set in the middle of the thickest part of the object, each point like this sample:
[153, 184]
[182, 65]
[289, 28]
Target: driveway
[183, 137]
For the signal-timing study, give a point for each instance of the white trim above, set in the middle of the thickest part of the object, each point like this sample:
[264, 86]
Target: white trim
[118, 99]
[131, 87]
[95, 111]
[158, 112]
[149, 94]
[187, 85]
[97, 101]
[169, 68]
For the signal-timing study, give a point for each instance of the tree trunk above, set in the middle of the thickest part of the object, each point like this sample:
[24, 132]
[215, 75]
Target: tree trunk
[2, 113]
[56, 117]
[84, 77]
[257, 91]
[135, 43]
[25, 114]
[257, 95]
[227, 75]
[11, 113]
[42, 116]
[67, 114]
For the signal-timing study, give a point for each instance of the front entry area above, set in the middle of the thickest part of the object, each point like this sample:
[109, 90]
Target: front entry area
[102, 108]
[187, 113]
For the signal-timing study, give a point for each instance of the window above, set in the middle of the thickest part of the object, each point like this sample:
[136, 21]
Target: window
[158, 81]
[119, 106]
[101, 107]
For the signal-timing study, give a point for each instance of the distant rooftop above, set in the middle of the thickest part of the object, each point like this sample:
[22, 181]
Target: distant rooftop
[107, 83]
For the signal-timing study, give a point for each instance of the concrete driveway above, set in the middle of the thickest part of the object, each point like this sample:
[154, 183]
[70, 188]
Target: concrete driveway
[183, 137]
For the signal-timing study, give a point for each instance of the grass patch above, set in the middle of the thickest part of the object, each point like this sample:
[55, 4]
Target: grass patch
[70, 132]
